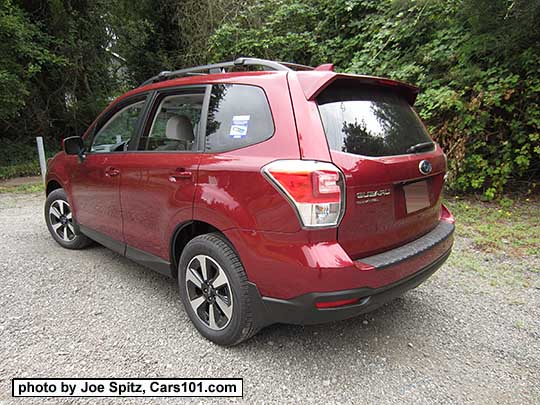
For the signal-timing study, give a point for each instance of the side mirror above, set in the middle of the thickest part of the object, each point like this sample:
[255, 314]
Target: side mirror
[74, 145]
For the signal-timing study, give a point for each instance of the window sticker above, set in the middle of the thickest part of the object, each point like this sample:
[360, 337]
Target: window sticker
[239, 126]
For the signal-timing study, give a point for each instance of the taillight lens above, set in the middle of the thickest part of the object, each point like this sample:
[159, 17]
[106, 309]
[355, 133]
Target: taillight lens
[315, 189]
[446, 215]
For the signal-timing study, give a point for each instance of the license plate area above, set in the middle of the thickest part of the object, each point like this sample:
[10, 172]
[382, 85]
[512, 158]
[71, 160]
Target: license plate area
[416, 196]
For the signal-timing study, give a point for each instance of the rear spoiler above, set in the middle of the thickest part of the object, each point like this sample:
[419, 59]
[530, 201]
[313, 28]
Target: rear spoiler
[315, 81]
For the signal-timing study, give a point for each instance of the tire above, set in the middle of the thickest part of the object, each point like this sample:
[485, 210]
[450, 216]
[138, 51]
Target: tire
[231, 298]
[61, 223]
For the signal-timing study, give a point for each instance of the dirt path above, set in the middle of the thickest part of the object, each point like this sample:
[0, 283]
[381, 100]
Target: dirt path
[459, 338]
[19, 181]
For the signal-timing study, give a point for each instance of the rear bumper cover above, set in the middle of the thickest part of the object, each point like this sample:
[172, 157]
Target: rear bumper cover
[302, 309]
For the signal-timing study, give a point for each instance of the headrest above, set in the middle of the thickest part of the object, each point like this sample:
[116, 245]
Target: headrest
[179, 128]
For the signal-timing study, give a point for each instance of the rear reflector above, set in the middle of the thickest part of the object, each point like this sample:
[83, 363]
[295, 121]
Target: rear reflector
[334, 304]
[314, 189]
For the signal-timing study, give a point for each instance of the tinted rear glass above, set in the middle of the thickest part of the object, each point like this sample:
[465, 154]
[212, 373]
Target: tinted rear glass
[238, 116]
[369, 121]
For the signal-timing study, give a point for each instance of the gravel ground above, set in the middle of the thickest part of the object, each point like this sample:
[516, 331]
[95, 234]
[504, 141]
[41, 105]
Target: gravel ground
[91, 313]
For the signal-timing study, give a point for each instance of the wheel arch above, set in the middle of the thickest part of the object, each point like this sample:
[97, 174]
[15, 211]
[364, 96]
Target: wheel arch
[51, 186]
[185, 232]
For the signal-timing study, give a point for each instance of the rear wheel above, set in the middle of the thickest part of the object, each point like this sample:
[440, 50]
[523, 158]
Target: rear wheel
[214, 290]
[59, 219]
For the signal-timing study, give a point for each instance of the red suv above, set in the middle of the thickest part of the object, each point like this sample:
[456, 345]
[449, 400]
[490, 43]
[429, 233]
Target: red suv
[272, 192]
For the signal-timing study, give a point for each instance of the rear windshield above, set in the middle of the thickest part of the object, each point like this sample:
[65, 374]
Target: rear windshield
[370, 121]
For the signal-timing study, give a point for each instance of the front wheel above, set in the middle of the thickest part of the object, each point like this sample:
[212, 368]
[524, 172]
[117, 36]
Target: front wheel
[59, 219]
[214, 290]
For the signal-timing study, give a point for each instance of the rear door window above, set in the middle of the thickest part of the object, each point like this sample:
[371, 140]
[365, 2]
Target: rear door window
[370, 121]
[175, 125]
[238, 116]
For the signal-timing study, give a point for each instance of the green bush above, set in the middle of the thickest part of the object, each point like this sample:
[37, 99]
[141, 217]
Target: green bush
[477, 63]
[20, 159]
[20, 170]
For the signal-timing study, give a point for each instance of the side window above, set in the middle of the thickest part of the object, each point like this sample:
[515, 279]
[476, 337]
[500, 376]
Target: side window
[238, 116]
[175, 124]
[117, 132]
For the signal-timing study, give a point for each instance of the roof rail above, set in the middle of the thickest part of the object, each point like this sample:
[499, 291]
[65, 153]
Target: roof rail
[222, 67]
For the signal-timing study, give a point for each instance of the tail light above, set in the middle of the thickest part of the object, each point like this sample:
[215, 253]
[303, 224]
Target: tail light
[446, 215]
[314, 189]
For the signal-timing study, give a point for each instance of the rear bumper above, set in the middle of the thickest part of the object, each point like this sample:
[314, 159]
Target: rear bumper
[302, 309]
[371, 281]
[289, 265]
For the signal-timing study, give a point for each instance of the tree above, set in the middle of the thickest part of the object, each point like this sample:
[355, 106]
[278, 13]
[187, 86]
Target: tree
[55, 69]
[477, 63]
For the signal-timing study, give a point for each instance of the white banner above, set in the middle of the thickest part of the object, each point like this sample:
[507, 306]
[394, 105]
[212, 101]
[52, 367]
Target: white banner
[127, 387]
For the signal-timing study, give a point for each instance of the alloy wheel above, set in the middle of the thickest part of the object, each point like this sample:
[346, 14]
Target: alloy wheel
[61, 219]
[209, 292]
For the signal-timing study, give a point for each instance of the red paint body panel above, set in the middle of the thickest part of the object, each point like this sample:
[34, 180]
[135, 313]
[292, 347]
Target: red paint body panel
[288, 265]
[313, 83]
[311, 135]
[95, 194]
[372, 228]
[229, 193]
[152, 203]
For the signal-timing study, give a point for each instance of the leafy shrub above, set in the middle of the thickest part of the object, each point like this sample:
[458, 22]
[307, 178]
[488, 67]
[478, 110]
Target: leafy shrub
[20, 159]
[477, 63]
[20, 170]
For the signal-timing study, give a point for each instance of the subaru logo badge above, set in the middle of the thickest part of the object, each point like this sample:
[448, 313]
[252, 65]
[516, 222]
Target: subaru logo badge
[425, 167]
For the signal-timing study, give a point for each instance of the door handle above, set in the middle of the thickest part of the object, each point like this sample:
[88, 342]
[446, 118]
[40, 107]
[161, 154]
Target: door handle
[179, 174]
[112, 171]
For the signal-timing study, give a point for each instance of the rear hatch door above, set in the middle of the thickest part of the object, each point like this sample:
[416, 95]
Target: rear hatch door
[394, 172]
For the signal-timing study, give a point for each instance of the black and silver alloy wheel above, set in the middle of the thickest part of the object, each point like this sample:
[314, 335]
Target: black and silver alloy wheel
[214, 289]
[61, 223]
[61, 220]
[209, 292]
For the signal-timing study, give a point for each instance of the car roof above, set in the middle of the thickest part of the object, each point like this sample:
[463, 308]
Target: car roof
[228, 77]
[312, 82]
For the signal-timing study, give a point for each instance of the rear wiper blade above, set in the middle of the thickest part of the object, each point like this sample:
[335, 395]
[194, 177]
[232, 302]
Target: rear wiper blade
[420, 147]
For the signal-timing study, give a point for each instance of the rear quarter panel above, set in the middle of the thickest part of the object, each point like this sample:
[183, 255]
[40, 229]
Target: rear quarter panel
[231, 191]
